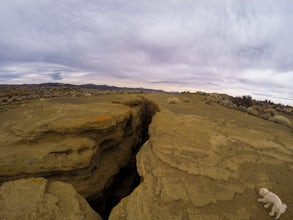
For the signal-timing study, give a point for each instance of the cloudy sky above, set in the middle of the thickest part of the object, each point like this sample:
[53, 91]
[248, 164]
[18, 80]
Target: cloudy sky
[230, 46]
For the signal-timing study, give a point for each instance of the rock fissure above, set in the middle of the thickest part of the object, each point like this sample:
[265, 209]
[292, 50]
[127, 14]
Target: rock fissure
[94, 150]
[127, 179]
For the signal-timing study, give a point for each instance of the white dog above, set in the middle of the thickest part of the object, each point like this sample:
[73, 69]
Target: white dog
[271, 198]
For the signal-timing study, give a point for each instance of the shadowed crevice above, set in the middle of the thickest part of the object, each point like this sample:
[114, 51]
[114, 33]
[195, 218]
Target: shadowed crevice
[127, 179]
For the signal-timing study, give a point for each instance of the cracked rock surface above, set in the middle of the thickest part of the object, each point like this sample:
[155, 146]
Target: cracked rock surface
[208, 162]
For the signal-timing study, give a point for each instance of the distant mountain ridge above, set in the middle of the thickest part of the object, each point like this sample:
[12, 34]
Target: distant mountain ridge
[89, 86]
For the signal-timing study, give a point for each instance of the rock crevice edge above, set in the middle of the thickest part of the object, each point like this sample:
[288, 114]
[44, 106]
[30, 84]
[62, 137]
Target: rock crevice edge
[90, 145]
[127, 178]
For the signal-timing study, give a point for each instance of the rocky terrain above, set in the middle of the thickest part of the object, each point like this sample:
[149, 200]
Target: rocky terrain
[199, 160]
[36, 198]
[207, 162]
[83, 141]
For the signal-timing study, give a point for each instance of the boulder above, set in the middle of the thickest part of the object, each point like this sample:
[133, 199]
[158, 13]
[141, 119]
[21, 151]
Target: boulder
[36, 198]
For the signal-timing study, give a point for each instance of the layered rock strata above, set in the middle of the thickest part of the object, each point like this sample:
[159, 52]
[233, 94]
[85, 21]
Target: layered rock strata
[81, 141]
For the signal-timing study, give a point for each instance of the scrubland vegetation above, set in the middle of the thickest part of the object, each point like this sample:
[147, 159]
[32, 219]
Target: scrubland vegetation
[266, 110]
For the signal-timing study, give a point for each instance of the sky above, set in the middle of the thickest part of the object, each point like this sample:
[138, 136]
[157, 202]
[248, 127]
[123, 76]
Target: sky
[238, 47]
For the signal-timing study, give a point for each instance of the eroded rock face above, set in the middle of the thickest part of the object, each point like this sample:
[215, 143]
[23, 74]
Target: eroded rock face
[81, 141]
[199, 167]
[36, 198]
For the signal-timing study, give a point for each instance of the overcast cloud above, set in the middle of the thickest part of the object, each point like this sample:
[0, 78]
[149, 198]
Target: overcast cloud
[231, 46]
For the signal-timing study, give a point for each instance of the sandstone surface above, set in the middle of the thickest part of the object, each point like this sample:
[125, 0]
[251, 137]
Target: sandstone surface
[202, 161]
[36, 198]
[83, 141]
[207, 162]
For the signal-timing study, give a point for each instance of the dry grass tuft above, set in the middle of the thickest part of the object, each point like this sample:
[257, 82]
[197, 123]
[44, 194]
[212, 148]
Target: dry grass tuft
[214, 98]
[252, 111]
[281, 120]
[228, 104]
[173, 100]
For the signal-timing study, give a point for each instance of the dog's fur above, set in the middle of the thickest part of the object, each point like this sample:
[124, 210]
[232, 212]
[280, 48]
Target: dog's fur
[271, 198]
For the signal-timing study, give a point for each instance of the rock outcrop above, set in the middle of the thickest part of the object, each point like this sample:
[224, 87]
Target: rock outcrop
[81, 141]
[36, 198]
[208, 162]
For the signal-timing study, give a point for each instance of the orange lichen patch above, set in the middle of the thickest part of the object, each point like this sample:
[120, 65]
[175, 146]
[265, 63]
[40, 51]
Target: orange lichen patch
[35, 180]
[100, 119]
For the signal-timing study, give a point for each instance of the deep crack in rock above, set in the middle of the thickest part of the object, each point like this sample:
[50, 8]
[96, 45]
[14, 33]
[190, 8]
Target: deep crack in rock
[127, 179]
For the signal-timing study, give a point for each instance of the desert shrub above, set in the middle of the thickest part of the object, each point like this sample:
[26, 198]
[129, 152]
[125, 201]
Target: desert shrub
[288, 110]
[281, 120]
[279, 108]
[268, 102]
[258, 108]
[173, 100]
[252, 111]
[242, 108]
[245, 101]
[4, 100]
[265, 116]
[13, 99]
[261, 110]
[228, 104]
[214, 98]
[271, 111]
[202, 93]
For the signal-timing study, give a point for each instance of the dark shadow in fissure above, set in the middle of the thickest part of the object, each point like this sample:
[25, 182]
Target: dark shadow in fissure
[127, 179]
[123, 184]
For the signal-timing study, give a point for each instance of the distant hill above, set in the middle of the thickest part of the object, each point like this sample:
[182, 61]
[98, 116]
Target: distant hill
[88, 86]
[94, 86]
